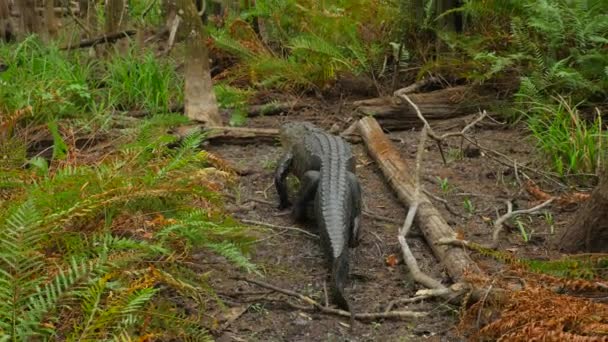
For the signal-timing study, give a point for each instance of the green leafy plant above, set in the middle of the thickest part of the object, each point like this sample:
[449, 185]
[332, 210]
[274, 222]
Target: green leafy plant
[444, 184]
[572, 144]
[469, 207]
[305, 44]
[41, 77]
[65, 272]
[522, 230]
[142, 81]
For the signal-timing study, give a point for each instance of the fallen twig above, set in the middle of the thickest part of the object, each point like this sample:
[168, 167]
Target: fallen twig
[401, 315]
[270, 225]
[380, 217]
[438, 138]
[108, 38]
[499, 224]
[408, 257]
[428, 219]
[414, 87]
[446, 204]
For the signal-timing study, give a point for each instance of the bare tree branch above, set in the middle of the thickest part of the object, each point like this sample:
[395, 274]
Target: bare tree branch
[400, 315]
[499, 224]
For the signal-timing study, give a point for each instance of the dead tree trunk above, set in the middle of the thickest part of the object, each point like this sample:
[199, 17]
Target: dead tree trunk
[5, 21]
[200, 102]
[394, 114]
[432, 225]
[589, 229]
[28, 19]
[49, 18]
[116, 20]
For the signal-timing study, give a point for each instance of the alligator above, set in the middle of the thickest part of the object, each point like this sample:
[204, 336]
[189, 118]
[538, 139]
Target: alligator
[325, 166]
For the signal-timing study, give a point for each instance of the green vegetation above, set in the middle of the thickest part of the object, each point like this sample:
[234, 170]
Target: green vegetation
[305, 44]
[91, 246]
[556, 50]
[70, 237]
[96, 242]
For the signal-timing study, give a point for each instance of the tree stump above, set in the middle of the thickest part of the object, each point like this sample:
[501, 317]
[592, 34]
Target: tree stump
[588, 232]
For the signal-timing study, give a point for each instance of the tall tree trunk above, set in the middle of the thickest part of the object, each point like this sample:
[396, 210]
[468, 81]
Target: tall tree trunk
[49, 18]
[200, 102]
[6, 29]
[589, 229]
[28, 18]
[116, 20]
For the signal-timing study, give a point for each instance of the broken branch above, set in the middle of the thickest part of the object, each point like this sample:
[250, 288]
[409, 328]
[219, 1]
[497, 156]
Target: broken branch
[269, 225]
[499, 224]
[108, 38]
[408, 256]
[428, 219]
[401, 315]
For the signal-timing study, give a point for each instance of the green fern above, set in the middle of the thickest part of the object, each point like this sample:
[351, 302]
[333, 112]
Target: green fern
[20, 261]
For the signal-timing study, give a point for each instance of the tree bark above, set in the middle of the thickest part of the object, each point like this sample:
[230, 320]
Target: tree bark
[106, 39]
[28, 19]
[5, 21]
[116, 19]
[49, 18]
[200, 102]
[432, 225]
[442, 104]
[588, 231]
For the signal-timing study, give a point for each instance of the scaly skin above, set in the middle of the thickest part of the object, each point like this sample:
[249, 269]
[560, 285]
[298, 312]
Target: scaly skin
[325, 166]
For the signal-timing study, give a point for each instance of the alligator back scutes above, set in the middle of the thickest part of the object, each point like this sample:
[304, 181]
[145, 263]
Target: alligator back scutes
[333, 189]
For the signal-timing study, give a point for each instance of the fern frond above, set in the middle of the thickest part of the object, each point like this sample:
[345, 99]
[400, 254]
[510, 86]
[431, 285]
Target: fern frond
[20, 266]
[230, 251]
[62, 287]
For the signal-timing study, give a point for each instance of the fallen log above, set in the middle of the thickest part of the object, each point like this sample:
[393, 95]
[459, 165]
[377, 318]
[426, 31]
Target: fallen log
[252, 111]
[56, 10]
[230, 135]
[394, 114]
[400, 177]
[108, 38]
[241, 135]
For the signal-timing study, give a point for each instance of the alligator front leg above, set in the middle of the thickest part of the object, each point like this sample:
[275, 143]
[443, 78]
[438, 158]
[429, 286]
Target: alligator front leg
[280, 174]
[308, 189]
[355, 197]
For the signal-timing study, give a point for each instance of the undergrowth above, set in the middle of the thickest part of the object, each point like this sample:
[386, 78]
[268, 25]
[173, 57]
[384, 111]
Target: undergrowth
[39, 76]
[305, 45]
[548, 300]
[573, 144]
[136, 81]
[57, 84]
[91, 250]
[556, 52]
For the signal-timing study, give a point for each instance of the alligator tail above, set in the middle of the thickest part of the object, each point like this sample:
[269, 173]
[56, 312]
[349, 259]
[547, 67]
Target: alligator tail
[339, 274]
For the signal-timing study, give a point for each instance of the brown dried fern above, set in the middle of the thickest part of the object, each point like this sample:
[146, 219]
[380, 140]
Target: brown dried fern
[539, 314]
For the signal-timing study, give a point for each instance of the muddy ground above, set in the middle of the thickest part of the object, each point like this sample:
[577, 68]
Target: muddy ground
[475, 191]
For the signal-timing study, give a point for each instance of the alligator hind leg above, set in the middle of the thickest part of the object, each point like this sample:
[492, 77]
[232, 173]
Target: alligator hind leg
[308, 189]
[280, 174]
[355, 196]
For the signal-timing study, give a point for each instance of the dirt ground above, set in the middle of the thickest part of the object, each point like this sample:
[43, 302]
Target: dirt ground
[475, 191]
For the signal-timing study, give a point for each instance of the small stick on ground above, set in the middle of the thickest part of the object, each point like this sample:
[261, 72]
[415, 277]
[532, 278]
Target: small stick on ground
[399, 315]
[273, 226]
[408, 257]
[438, 138]
[428, 219]
[445, 204]
[380, 217]
[499, 224]
[109, 38]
